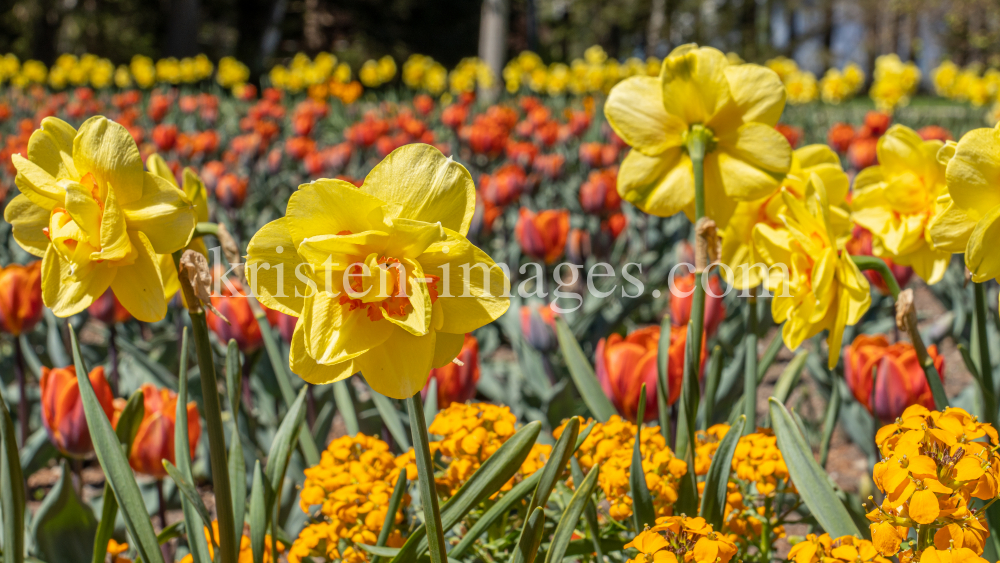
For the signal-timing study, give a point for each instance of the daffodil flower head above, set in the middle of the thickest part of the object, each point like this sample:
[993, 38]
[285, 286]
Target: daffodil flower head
[700, 96]
[897, 198]
[381, 277]
[817, 285]
[96, 218]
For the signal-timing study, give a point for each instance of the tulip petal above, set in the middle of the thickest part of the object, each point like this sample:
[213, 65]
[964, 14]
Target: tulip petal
[327, 207]
[981, 257]
[29, 221]
[107, 150]
[51, 148]
[951, 228]
[138, 285]
[694, 82]
[304, 366]
[400, 365]
[274, 269]
[67, 294]
[335, 333]
[162, 212]
[973, 174]
[418, 182]
[635, 111]
[467, 300]
[661, 185]
[447, 346]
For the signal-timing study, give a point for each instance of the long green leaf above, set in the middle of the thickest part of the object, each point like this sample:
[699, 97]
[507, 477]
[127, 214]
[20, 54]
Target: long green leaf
[258, 513]
[770, 354]
[642, 501]
[431, 401]
[238, 478]
[531, 537]
[712, 386]
[128, 425]
[392, 419]
[189, 492]
[283, 444]
[12, 497]
[567, 524]
[345, 405]
[589, 513]
[663, 378]
[390, 514]
[425, 480]
[829, 423]
[583, 374]
[491, 475]
[115, 465]
[556, 464]
[809, 478]
[234, 381]
[789, 378]
[63, 527]
[713, 500]
[197, 543]
[687, 410]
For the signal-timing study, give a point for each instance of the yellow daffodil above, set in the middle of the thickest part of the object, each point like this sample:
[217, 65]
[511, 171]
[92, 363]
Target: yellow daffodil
[698, 90]
[897, 198]
[195, 191]
[96, 218]
[825, 289]
[737, 238]
[969, 216]
[381, 277]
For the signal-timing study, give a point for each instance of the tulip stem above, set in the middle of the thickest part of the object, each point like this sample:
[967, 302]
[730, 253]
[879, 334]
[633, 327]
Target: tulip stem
[985, 365]
[425, 477]
[22, 390]
[750, 369]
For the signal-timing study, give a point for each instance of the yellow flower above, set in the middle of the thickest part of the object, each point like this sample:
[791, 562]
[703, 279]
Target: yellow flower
[823, 288]
[738, 250]
[96, 218]
[381, 277]
[897, 198]
[968, 220]
[246, 553]
[698, 88]
[679, 539]
[824, 549]
[946, 555]
[757, 460]
[196, 193]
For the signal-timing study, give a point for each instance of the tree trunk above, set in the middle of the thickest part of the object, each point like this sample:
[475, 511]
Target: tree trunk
[828, 34]
[493, 42]
[182, 28]
[657, 17]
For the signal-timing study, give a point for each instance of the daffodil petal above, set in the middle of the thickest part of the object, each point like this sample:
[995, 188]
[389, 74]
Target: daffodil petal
[168, 276]
[162, 212]
[981, 257]
[159, 167]
[973, 174]
[635, 111]
[659, 185]
[694, 83]
[114, 239]
[138, 285]
[336, 333]
[757, 93]
[410, 238]
[29, 221]
[304, 366]
[399, 366]
[36, 184]
[327, 207]
[85, 211]
[51, 148]
[446, 348]
[195, 190]
[275, 271]
[417, 319]
[67, 294]
[107, 150]
[951, 228]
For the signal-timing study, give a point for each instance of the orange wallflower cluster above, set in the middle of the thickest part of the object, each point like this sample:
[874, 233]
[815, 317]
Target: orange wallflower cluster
[758, 460]
[678, 539]
[824, 549]
[245, 554]
[610, 445]
[933, 465]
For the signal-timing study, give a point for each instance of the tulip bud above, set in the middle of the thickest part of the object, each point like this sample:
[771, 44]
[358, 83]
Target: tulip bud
[20, 297]
[862, 153]
[840, 137]
[682, 295]
[899, 379]
[935, 132]
[538, 326]
[242, 326]
[542, 235]
[791, 133]
[108, 309]
[165, 137]
[62, 409]
[600, 192]
[457, 383]
[154, 441]
[578, 246]
[231, 191]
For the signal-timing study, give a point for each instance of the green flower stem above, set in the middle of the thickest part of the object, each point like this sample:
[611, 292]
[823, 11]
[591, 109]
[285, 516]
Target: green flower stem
[750, 369]
[425, 477]
[930, 370]
[985, 365]
[204, 229]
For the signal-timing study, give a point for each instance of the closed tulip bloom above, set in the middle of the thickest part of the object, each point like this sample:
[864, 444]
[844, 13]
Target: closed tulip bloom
[242, 326]
[840, 137]
[682, 295]
[96, 218]
[543, 235]
[379, 257]
[899, 380]
[154, 441]
[62, 409]
[738, 104]
[897, 199]
[824, 289]
[20, 297]
[863, 152]
[538, 326]
[457, 383]
[231, 191]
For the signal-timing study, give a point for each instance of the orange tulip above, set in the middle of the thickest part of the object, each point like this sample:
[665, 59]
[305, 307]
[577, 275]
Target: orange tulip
[108, 309]
[20, 297]
[840, 137]
[242, 326]
[543, 235]
[623, 364]
[680, 304]
[899, 380]
[154, 442]
[457, 383]
[62, 410]
[538, 326]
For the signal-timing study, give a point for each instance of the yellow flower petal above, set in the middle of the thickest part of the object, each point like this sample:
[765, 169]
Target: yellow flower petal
[29, 221]
[446, 348]
[107, 150]
[66, 294]
[195, 190]
[327, 207]
[335, 333]
[399, 366]
[924, 507]
[757, 93]
[308, 369]
[51, 148]
[973, 174]
[159, 167]
[659, 185]
[981, 257]
[275, 270]
[695, 87]
[138, 285]
[85, 211]
[753, 161]
[162, 212]
[951, 228]
[114, 241]
[635, 111]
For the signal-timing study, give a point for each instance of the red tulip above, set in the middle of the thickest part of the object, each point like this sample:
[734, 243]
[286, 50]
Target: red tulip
[457, 383]
[154, 441]
[20, 297]
[165, 137]
[862, 152]
[600, 192]
[578, 246]
[62, 409]
[231, 191]
[543, 235]
[876, 124]
[680, 305]
[899, 380]
[935, 132]
[792, 134]
[242, 326]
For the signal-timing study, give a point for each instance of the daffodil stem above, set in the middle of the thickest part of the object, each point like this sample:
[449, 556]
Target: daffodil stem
[750, 369]
[23, 413]
[203, 229]
[876, 264]
[985, 365]
[425, 478]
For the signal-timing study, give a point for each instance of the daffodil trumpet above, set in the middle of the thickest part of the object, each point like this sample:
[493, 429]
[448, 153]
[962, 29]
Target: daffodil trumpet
[926, 362]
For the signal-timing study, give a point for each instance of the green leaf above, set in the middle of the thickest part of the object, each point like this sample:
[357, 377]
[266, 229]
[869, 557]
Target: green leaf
[642, 502]
[11, 489]
[567, 524]
[390, 514]
[531, 538]
[115, 465]
[712, 386]
[589, 513]
[345, 405]
[687, 405]
[829, 423]
[789, 377]
[490, 517]
[583, 374]
[234, 382]
[259, 492]
[662, 378]
[713, 500]
[809, 478]
[238, 478]
[36, 452]
[431, 402]
[554, 466]
[392, 418]
[63, 526]
[425, 480]
[128, 425]
[773, 348]
[189, 492]
[155, 369]
[106, 525]
[197, 543]
[379, 551]
[283, 444]
[170, 532]
[491, 475]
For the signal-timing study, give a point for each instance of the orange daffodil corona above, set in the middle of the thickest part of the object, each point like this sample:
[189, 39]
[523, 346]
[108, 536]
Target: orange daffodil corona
[897, 199]
[825, 289]
[97, 219]
[699, 93]
[381, 277]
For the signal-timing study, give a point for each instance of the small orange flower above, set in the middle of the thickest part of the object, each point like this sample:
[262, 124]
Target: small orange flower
[543, 235]
[62, 410]
[20, 297]
[154, 441]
